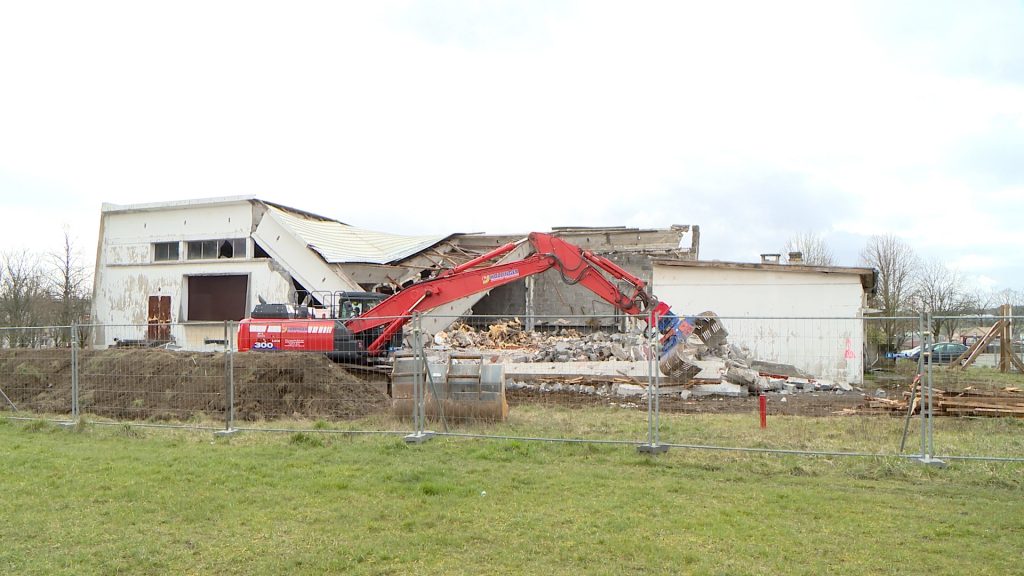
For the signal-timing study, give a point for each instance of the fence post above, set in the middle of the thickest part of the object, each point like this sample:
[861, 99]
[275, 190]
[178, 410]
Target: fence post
[229, 381]
[653, 388]
[75, 409]
[927, 440]
[418, 385]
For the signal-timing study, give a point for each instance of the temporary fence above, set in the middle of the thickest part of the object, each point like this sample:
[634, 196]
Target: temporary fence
[824, 386]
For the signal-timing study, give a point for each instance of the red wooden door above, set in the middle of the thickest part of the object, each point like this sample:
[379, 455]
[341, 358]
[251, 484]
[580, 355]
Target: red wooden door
[159, 318]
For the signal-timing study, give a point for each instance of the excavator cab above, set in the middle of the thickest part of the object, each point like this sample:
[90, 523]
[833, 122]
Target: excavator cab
[355, 304]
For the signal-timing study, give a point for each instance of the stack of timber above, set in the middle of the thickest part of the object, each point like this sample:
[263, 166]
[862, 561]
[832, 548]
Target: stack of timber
[968, 402]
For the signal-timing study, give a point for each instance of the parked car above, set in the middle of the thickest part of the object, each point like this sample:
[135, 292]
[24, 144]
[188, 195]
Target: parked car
[908, 353]
[943, 352]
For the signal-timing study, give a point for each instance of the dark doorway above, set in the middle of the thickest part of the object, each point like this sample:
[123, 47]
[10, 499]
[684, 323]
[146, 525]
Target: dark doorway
[217, 297]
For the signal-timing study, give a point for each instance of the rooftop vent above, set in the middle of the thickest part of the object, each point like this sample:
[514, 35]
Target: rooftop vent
[770, 258]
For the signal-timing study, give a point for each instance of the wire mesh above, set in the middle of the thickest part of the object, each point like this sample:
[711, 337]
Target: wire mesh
[974, 368]
[811, 372]
[129, 374]
[313, 370]
[831, 385]
[36, 371]
[581, 377]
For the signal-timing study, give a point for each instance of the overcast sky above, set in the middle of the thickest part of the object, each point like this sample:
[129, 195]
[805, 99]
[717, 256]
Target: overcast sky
[754, 120]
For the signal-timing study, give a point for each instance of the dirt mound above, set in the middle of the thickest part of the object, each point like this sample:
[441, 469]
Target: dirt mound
[165, 384]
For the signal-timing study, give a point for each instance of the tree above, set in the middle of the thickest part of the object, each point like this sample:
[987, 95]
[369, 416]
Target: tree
[896, 264]
[940, 292]
[22, 296]
[68, 286]
[1013, 298]
[812, 248]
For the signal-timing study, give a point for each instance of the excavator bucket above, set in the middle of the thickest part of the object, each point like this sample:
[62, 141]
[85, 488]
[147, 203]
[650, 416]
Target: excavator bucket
[709, 329]
[678, 359]
[677, 363]
[461, 387]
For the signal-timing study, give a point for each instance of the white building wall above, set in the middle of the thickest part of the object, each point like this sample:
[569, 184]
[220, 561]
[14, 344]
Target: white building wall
[807, 319]
[126, 275]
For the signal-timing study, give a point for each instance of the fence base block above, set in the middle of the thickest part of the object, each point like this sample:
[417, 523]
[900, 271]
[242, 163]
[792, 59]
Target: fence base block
[652, 448]
[228, 432]
[929, 461]
[419, 437]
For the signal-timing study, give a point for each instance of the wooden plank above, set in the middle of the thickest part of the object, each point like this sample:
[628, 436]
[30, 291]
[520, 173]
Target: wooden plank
[956, 404]
[972, 353]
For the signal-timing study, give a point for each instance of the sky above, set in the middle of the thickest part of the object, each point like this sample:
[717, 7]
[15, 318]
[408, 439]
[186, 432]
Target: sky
[756, 121]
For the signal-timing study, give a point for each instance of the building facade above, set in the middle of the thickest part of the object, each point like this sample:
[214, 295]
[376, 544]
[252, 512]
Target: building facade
[810, 317]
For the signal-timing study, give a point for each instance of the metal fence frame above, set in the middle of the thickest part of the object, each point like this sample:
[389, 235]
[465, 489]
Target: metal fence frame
[420, 431]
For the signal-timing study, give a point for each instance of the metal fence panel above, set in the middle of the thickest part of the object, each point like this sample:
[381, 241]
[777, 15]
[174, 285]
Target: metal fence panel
[179, 380]
[830, 385]
[978, 396]
[578, 378]
[811, 372]
[36, 371]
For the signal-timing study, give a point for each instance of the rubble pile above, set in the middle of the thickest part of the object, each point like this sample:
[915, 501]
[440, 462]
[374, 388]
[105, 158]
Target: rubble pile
[695, 369]
[562, 345]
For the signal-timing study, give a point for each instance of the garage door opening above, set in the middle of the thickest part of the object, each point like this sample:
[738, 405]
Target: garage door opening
[216, 298]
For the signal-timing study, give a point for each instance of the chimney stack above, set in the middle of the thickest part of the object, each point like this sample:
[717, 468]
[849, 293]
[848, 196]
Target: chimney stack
[796, 257]
[770, 258]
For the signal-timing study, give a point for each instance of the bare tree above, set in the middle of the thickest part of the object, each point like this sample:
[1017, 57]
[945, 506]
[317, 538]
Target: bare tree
[22, 296]
[1014, 298]
[68, 285]
[896, 264]
[812, 247]
[940, 292]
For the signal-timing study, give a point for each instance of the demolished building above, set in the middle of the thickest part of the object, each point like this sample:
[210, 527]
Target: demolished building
[175, 271]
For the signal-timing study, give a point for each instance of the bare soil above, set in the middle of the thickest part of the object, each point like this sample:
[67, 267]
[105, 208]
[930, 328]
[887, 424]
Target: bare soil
[177, 385]
[805, 404]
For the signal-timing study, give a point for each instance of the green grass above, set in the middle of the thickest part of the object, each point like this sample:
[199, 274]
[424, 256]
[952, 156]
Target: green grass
[128, 500]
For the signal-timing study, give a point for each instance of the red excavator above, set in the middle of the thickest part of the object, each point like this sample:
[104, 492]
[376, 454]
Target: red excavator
[368, 324]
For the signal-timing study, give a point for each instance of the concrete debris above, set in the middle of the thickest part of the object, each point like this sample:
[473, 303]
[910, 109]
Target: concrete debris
[630, 390]
[723, 389]
[560, 359]
[561, 345]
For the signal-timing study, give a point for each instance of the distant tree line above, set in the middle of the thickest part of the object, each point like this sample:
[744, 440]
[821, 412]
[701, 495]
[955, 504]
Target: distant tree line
[42, 290]
[909, 286]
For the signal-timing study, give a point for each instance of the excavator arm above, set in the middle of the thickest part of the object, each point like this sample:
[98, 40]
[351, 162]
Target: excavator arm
[576, 266]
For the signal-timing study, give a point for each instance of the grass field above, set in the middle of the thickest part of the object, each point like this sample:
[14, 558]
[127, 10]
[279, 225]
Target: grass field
[125, 500]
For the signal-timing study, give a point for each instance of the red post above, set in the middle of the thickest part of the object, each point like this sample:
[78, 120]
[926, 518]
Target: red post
[763, 402]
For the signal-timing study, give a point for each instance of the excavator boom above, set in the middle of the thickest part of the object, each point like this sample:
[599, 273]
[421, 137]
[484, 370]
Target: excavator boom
[575, 265]
[374, 327]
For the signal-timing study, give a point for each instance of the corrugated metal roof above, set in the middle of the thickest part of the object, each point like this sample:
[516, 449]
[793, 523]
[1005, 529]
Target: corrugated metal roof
[343, 244]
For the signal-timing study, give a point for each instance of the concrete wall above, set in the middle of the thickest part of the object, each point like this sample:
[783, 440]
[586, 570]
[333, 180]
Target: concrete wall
[554, 299]
[807, 319]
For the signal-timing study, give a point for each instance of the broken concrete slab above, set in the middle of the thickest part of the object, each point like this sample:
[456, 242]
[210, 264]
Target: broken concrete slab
[721, 389]
[628, 390]
[802, 383]
[596, 369]
[743, 376]
[776, 369]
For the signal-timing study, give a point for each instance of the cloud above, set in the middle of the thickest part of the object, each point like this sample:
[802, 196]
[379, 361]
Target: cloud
[755, 121]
